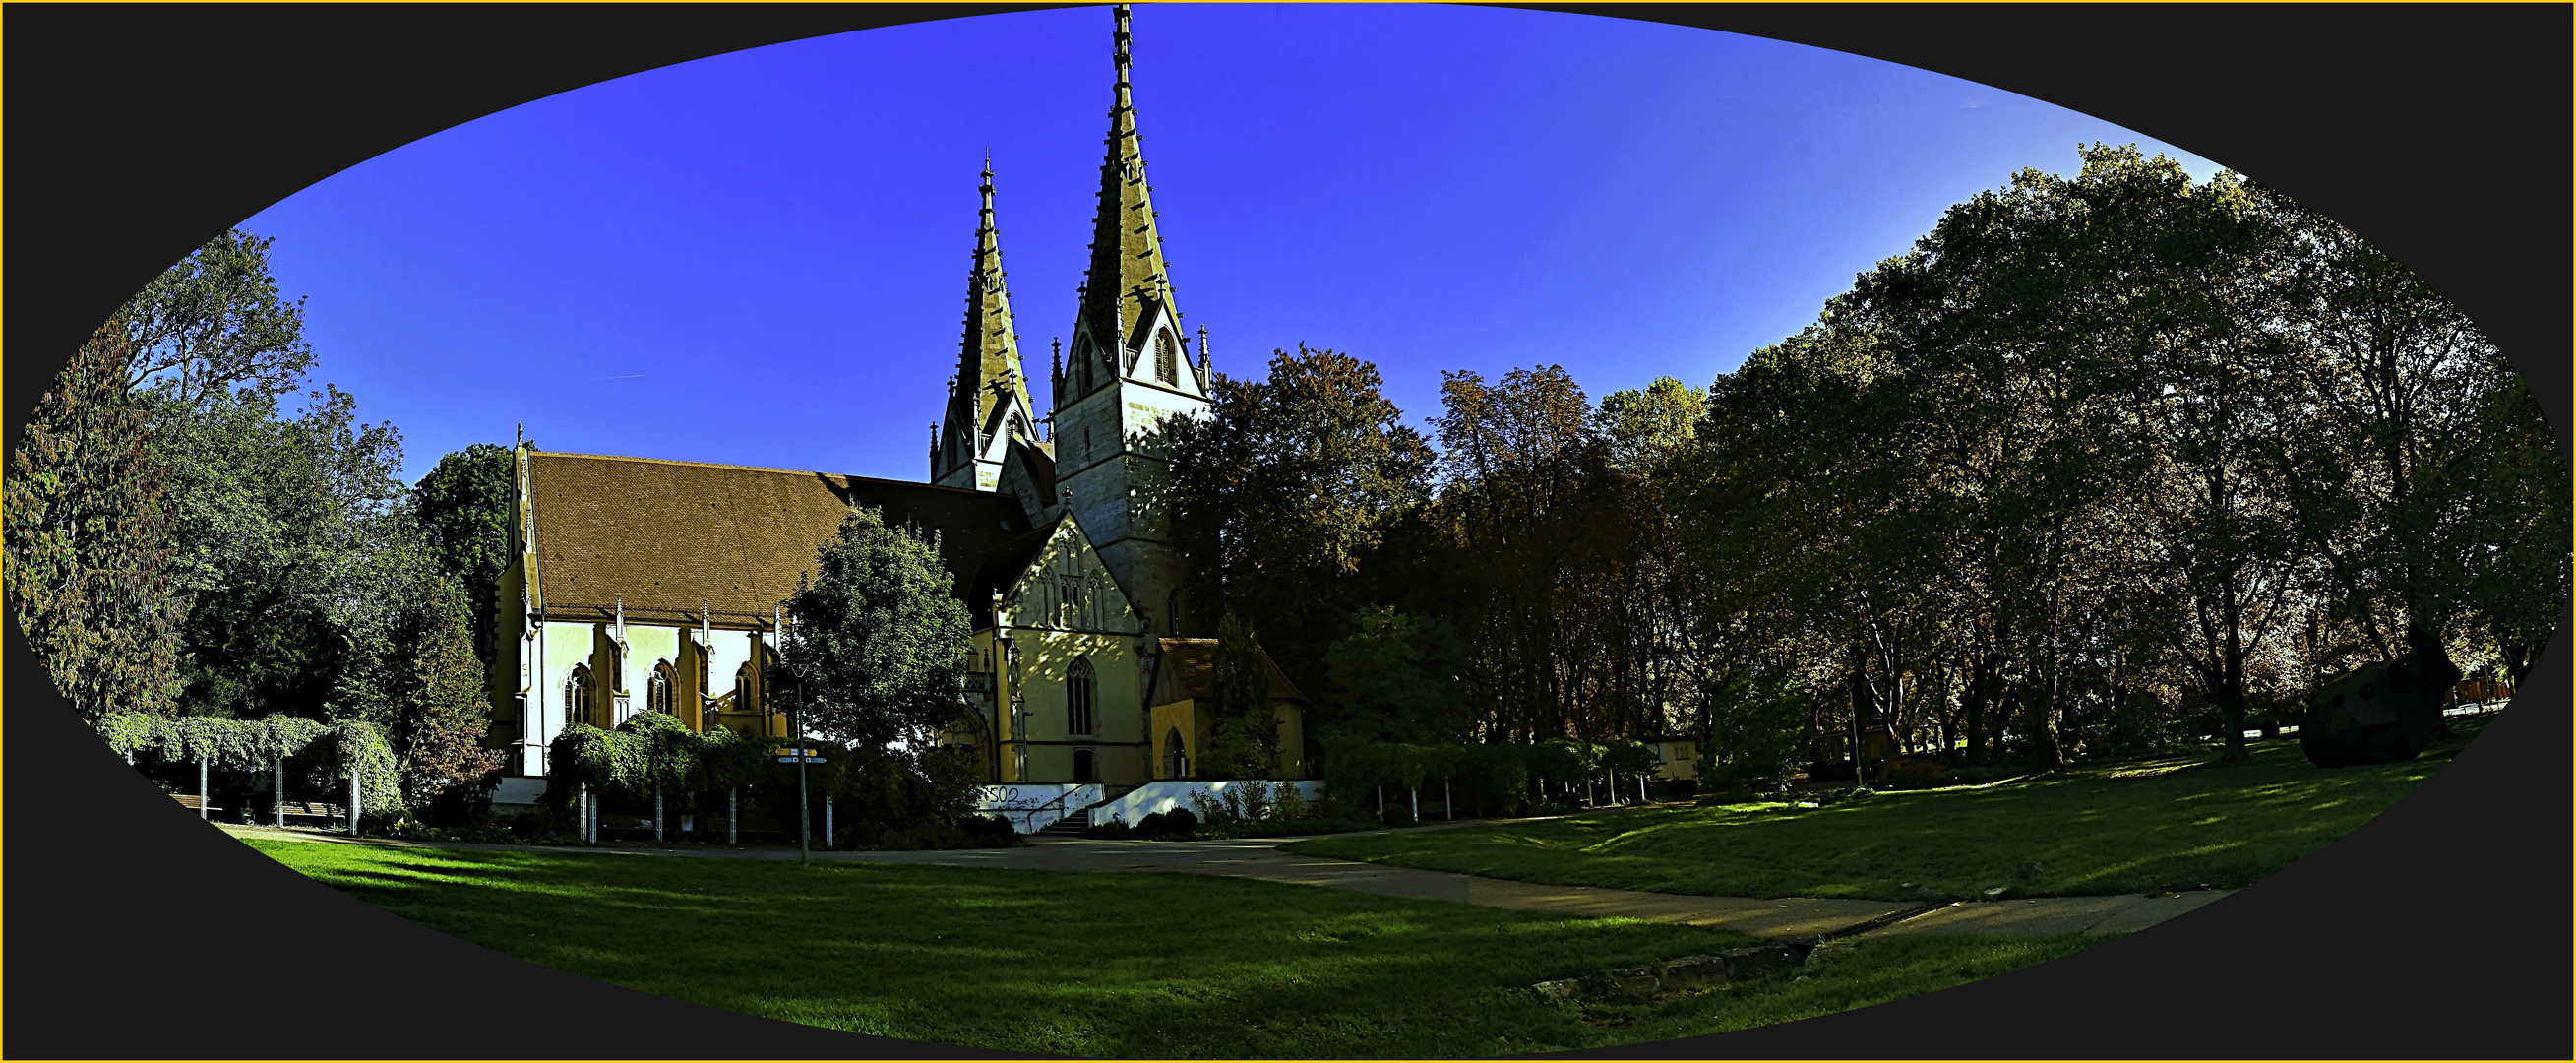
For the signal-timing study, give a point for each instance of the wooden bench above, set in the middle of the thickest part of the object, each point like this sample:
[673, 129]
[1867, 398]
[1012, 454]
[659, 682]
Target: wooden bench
[313, 809]
[195, 803]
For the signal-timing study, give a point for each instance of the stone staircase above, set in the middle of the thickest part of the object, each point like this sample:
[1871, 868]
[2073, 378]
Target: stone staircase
[1079, 820]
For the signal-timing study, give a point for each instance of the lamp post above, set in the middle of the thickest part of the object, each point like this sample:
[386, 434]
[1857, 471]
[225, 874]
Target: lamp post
[1018, 703]
[804, 811]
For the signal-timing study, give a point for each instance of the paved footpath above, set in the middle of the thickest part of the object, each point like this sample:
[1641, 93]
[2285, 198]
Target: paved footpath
[1778, 919]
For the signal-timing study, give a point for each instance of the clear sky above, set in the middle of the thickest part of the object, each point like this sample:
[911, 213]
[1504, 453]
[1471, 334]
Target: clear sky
[760, 258]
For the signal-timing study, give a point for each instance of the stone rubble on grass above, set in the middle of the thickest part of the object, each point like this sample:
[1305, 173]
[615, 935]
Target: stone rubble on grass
[1699, 970]
[1561, 989]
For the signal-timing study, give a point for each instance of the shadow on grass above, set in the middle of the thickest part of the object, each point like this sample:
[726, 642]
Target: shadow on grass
[1103, 964]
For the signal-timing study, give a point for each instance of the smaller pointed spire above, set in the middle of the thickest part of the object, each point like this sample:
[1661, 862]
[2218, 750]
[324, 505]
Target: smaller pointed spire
[1204, 361]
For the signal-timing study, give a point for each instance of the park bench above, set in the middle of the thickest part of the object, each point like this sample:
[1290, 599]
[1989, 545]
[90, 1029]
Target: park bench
[192, 802]
[316, 809]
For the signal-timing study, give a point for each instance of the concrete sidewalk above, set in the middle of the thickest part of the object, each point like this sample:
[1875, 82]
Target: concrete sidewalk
[1775, 919]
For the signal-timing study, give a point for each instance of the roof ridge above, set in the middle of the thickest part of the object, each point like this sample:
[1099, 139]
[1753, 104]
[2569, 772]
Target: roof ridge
[755, 468]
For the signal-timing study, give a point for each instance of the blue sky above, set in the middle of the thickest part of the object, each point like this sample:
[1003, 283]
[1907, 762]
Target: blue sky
[760, 258]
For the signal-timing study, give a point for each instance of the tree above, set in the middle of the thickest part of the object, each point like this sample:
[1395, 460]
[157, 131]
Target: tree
[89, 554]
[2386, 458]
[464, 509]
[874, 637]
[1398, 679]
[441, 737]
[215, 321]
[1521, 494]
[1282, 494]
[1243, 739]
[1644, 428]
[289, 531]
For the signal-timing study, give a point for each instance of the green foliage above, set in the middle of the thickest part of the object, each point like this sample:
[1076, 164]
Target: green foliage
[464, 512]
[1628, 757]
[246, 745]
[1243, 741]
[876, 636]
[215, 322]
[1281, 496]
[89, 557]
[1757, 729]
[442, 736]
[1646, 428]
[291, 544]
[882, 791]
[1398, 679]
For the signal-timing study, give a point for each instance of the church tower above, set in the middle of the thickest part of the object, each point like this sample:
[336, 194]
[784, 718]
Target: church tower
[988, 399]
[1129, 369]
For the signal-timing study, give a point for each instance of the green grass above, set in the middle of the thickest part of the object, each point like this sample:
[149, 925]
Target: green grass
[1102, 964]
[2178, 822]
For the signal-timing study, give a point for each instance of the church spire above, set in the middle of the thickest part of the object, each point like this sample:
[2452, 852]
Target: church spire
[988, 362]
[1127, 281]
[988, 398]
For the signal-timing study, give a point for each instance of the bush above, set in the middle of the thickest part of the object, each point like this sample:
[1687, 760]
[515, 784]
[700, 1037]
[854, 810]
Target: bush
[1178, 824]
[1910, 773]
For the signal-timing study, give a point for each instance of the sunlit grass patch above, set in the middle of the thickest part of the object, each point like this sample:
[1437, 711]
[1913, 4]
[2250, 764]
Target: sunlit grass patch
[2171, 821]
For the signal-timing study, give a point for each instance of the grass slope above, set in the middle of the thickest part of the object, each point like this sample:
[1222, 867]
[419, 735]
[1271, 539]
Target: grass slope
[1102, 964]
[2179, 822]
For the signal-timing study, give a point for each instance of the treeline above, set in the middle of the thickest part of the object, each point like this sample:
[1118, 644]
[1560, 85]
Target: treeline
[192, 533]
[2104, 462]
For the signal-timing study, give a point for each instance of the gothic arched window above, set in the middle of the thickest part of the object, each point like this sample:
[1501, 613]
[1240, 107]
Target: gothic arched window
[1164, 358]
[1172, 615]
[1079, 717]
[742, 688]
[576, 694]
[657, 690]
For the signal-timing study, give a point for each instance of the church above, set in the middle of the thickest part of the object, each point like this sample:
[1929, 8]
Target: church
[652, 585]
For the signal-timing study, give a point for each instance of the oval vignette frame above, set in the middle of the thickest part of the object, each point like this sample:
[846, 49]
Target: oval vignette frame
[2044, 1011]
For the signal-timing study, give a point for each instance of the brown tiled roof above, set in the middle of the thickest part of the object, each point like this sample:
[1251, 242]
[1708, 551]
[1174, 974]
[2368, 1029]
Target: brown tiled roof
[1188, 670]
[669, 534]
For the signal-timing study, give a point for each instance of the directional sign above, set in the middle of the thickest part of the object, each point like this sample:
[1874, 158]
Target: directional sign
[792, 751]
[808, 760]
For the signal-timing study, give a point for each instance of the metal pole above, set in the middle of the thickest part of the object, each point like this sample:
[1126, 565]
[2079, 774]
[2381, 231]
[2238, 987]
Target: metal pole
[581, 814]
[733, 816]
[827, 821]
[804, 825]
[1448, 804]
[201, 787]
[354, 797]
[277, 802]
[657, 812]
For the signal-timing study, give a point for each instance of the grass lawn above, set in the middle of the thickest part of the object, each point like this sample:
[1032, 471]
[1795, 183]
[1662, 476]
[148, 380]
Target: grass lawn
[1103, 964]
[2178, 822]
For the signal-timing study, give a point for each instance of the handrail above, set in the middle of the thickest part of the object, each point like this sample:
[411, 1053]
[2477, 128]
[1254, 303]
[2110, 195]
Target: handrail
[1061, 804]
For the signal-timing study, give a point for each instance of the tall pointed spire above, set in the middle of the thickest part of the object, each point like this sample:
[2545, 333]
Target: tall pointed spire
[1127, 280]
[988, 362]
[989, 397]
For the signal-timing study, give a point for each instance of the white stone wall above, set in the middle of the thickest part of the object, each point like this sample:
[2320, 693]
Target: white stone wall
[1167, 795]
[645, 647]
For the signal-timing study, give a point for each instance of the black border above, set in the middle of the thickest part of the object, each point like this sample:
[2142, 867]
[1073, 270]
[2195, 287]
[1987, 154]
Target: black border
[2440, 132]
